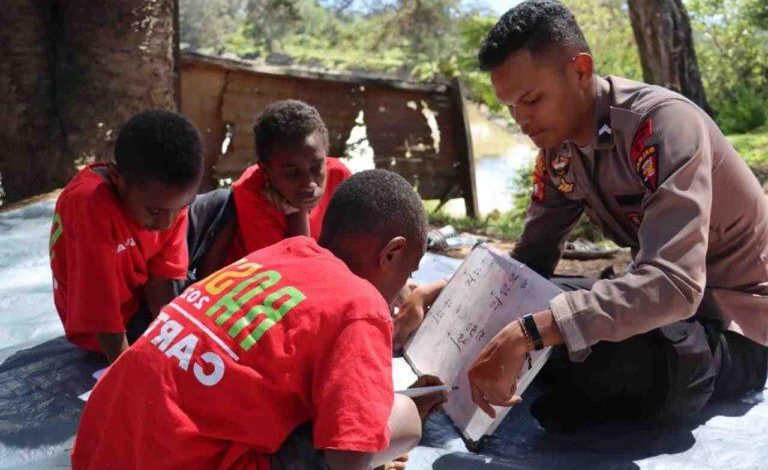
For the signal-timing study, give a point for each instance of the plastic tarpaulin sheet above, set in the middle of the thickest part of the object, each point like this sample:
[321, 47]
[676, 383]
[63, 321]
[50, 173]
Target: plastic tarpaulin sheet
[41, 376]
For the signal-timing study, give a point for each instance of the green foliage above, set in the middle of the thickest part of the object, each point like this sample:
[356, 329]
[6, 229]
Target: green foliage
[753, 147]
[731, 39]
[268, 22]
[425, 39]
[208, 25]
[744, 111]
[606, 26]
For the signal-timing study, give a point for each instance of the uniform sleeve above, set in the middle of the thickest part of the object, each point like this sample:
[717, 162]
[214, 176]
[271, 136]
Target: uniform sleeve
[671, 155]
[550, 218]
[172, 260]
[352, 390]
[93, 286]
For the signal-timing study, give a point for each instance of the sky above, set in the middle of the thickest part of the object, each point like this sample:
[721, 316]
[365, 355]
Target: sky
[500, 6]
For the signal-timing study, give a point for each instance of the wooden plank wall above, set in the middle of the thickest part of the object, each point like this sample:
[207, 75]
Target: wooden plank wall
[217, 93]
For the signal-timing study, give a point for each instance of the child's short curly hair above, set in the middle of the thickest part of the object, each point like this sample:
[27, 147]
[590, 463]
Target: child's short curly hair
[286, 123]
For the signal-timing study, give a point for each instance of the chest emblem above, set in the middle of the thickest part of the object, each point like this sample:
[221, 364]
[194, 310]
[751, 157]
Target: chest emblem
[635, 218]
[560, 165]
[565, 187]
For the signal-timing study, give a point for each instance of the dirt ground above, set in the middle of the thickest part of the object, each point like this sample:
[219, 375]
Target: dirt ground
[566, 267]
[40, 197]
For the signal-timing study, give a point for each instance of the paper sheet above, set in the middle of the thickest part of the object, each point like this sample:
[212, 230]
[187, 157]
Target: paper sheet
[489, 290]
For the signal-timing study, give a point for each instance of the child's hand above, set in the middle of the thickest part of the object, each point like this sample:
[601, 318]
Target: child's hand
[277, 200]
[405, 291]
[397, 464]
[426, 404]
[413, 309]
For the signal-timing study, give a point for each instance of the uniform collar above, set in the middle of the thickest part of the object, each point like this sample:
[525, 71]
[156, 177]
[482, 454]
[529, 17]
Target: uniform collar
[602, 118]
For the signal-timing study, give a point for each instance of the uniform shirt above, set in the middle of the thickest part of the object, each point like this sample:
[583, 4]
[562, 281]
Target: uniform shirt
[260, 224]
[232, 366]
[664, 181]
[101, 259]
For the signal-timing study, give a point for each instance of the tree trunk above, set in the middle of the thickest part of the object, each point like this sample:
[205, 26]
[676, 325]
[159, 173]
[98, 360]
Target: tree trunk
[73, 72]
[663, 34]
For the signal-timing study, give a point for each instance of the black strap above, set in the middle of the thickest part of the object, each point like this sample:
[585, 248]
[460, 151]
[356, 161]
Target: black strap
[530, 325]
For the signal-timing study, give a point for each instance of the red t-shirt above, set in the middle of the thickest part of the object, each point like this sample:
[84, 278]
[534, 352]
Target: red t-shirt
[100, 259]
[260, 224]
[232, 366]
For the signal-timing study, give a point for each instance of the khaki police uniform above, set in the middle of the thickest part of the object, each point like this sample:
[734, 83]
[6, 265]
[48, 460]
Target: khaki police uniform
[661, 179]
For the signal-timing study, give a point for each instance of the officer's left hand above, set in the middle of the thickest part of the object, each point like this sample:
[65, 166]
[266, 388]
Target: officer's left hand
[493, 376]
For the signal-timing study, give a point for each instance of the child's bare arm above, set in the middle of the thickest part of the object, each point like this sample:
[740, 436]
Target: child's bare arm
[158, 292]
[405, 428]
[112, 345]
[216, 255]
[298, 223]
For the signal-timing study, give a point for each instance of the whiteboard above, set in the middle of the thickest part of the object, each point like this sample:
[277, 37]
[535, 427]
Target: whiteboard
[489, 290]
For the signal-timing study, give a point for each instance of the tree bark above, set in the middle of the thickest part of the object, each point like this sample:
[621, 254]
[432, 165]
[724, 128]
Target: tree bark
[665, 42]
[73, 72]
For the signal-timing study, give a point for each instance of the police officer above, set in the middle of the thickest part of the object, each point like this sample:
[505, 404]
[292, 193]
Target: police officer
[688, 320]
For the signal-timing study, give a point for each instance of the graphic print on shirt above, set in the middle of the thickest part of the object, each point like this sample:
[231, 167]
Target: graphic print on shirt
[231, 297]
[56, 230]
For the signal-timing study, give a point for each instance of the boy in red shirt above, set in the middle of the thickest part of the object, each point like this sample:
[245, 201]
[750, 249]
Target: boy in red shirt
[118, 235]
[233, 372]
[285, 194]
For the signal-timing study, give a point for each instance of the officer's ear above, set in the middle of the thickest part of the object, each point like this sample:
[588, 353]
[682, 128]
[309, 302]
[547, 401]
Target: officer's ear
[583, 64]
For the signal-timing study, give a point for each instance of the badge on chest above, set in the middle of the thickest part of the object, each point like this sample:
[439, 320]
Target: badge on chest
[560, 164]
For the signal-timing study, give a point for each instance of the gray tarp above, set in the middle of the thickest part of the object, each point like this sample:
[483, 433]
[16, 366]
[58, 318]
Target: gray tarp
[41, 376]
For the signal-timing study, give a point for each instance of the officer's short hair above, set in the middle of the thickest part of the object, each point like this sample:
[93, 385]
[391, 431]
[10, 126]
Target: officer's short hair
[286, 123]
[539, 26]
[376, 203]
[159, 146]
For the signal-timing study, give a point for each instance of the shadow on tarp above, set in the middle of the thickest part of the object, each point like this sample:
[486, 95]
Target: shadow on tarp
[39, 389]
[520, 443]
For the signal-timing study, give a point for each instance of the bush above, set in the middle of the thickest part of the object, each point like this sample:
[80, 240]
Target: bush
[742, 113]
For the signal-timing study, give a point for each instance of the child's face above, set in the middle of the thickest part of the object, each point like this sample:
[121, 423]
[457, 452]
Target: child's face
[298, 172]
[400, 269]
[155, 205]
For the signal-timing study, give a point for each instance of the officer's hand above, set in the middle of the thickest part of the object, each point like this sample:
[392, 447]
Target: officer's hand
[413, 309]
[426, 404]
[493, 376]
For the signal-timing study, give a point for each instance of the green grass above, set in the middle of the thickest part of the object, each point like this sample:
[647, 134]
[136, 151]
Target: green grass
[753, 148]
[498, 225]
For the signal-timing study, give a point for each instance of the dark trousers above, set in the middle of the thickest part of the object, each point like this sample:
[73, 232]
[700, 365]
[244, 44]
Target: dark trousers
[298, 453]
[138, 324]
[667, 374]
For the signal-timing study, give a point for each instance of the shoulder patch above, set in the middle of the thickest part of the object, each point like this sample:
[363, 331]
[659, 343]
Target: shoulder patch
[539, 178]
[644, 157]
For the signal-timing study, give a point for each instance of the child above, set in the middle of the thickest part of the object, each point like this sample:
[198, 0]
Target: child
[118, 234]
[282, 358]
[285, 194]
